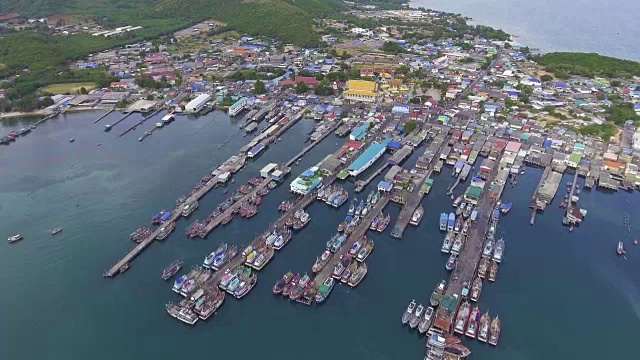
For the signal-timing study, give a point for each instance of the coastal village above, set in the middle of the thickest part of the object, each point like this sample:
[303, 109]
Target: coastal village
[480, 106]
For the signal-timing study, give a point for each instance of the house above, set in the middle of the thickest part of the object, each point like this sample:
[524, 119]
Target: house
[574, 160]
[360, 90]
[513, 95]
[309, 80]
[531, 82]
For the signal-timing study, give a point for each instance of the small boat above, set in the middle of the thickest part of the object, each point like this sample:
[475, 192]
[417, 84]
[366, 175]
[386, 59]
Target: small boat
[409, 312]
[426, 320]
[375, 223]
[384, 223]
[483, 328]
[505, 208]
[325, 290]
[171, 270]
[291, 285]
[483, 267]
[620, 250]
[417, 216]
[447, 244]
[476, 289]
[282, 283]
[417, 316]
[498, 251]
[357, 245]
[462, 318]
[14, 238]
[457, 201]
[493, 271]
[55, 230]
[72, 140]
[365, 251]
[352, 208]
[358, 275]
[321, 261]
[178, 283]
[358, 210]
[488, 248]
[437, 293]
[337, 243]
[472, 326]
[461, 208]
[494, 331]
[451, 263]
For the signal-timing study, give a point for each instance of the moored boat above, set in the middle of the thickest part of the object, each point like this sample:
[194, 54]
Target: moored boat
[346, 275]
[291, 285]
[171, 270]
[426, 320]
[447, 243]
[245, 286]
[365, 251]
[325, 289]
[483, 267]
[461, 318]
[282, 282]
[476, 289]
[341, 266]
[185, 315]
[498, 251]
[300, 287]
[493, 271]
[415, 318]
[384, 223]
[472, 326]
[451, 221]
[321, 261]
[358, 275]
[620, 250]
[488, 248]
[451, 262]
[165, 231]
[357, 245]
[409, 312]
[494, 331]
[189, 208]
[437, 293]
[178, 283]
[443, 222]
[417, 216]
[483, 328]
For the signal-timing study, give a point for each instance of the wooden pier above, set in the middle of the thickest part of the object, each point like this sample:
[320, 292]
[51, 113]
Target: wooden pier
[312, 145]
[118, 122]
[104, 115]
[357, 234]
[361, 184]
[131, 128]
[534, 199]
[45, 119]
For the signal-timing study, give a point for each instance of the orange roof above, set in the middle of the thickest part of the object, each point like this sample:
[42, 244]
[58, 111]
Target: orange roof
[614, 164]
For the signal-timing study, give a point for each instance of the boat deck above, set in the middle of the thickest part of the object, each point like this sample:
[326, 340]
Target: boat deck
[358, 233]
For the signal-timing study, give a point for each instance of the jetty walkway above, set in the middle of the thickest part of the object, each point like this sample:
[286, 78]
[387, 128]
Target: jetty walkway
[312, 145]
[132, 127]
[104, 115]
[357, 234]
[534, 198]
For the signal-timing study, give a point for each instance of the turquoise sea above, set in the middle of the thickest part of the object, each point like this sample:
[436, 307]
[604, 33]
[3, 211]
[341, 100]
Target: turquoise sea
[559, 295]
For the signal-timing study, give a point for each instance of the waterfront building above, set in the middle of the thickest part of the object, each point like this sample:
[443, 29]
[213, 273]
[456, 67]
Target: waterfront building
[367, 158]
[195, 105]
[238, 106]
[306, 182]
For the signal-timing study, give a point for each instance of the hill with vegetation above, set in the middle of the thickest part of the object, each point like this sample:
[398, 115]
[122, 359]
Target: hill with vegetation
[563, 64]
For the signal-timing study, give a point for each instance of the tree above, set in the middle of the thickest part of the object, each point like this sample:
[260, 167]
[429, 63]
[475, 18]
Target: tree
[546, 77]
[392, 47]
[83, 90]
[410, 126]
[259, 88]
[301, 88]
[150, 97]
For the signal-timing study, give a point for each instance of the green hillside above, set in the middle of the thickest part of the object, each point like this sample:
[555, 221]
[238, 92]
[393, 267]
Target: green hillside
[588, 64]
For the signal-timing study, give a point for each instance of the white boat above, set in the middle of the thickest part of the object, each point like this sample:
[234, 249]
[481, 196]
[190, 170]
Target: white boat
[498, 251]
[409, 312]
[488, 248]
[14, 238]
[447, 243]
[415, 320]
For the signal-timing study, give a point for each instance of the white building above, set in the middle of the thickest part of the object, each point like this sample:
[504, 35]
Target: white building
[198, 103]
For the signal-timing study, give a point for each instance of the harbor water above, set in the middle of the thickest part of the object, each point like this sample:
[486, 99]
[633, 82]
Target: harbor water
[558, 294]
[606, 27]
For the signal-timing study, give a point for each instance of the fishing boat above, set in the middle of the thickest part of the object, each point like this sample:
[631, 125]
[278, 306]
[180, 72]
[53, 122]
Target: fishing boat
[357, 245]
[458, 225]
[370, 197]
[498, 251]
[308, 294]
[358, 210]
[321, 261]
[417, 216]
[426, 320]
[447, 244]
[487, 251]
[456, 351]
[505, 208]
[437, 293]
[302, 222]
[358, 275]
[493, 271]
[171, 270]
[457, 201]
[365, 210]
[457, 244]
[620, 250]
[341, 266]
[461, 208]
[282, 282]
[337, 243]
[332, 240]
[467, 211]
[188, 209]
[483, 267]
[14, 238]
[494, 331]
[375, 223]
[282, 239]
[325, 289]
[472, 326]
[264, 256]
[343, 225]
[185, 315]
[409, 312]
[352, 207]
[365, 251]
[451, 263]
[384, 223]
[210, 305]
[55, 230]
[483, 327]
[476, 289]
[245, 286]
[461, 318]
[222, 259]
[346, 275]
[451, 221]
[376, 197]
[443, 222]
[299, 288]
[291, 285]
[415, 318]
[178, 283]
[165, 231]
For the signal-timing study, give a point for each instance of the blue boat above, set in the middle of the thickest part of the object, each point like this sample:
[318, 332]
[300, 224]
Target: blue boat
[505, 208]
[443, 222]
[325, 290]
[337, 243]
[451, 221]
[177, 285]
[165, 217]
[156, 218]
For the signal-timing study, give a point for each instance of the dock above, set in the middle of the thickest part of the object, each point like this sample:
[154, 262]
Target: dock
[469, 257]
[104, 115]
[110, 126]
[45, 119]
[133, 127]
[357, 234]
[312, 145]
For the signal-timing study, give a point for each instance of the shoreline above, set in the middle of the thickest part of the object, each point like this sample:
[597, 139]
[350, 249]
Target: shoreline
[45, 112]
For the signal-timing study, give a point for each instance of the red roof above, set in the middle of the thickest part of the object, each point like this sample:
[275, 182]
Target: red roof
[311, 81]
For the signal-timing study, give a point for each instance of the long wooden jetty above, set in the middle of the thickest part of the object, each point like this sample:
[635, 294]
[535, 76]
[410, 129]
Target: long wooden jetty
[357, 234]
[104, 115]
[534, 197]
[45, 119]
[312, 145]
[132, 127]
[119, 121]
